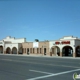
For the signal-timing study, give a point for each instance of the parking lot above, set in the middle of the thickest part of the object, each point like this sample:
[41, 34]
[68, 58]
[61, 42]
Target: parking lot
[37, 68]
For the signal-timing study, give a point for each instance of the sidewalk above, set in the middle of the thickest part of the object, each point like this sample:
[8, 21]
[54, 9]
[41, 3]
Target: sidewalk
[40, 55]
[48, 56]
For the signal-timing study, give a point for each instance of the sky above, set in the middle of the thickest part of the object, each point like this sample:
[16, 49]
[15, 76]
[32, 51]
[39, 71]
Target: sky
[39, 19]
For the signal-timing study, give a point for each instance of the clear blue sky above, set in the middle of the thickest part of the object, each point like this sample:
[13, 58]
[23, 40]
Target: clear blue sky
[39, 19]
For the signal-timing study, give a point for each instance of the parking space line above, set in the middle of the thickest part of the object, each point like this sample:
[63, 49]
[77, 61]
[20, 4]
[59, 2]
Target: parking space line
[51, 75]
[40, 72]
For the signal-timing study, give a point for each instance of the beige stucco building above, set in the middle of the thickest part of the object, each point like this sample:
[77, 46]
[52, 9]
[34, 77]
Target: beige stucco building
[66, 46]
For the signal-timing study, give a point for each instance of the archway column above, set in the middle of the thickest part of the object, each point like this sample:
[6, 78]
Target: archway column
[61, 54]
[17, 52]
[3, 49]
[4, 52]
[74, 52]
[11, 52]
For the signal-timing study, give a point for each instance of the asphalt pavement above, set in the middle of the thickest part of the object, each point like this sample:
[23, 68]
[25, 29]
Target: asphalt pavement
[37, 68]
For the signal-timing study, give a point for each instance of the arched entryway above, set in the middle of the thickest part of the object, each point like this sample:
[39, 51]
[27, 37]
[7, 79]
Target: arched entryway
[1, 49]
[28, 51]
[8, 50]
[20, 50]
[14, 50]
[67, 51]
[45, 50]
[78, 51]
[55, 50]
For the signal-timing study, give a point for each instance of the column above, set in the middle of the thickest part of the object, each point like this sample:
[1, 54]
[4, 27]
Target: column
[11, 52]
[74, 52]
[51, 52]
[17, 52]
[61, 54]
[4, 52]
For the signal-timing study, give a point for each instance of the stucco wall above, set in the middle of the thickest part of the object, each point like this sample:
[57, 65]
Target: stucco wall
[27, 45]
[68, 37]
[11, 46]
[1, 43]
[77, 43]
[13, 40]
[52, 43]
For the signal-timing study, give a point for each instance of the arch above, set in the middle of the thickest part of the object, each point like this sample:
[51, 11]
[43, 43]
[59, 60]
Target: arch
[77, 51]
[67, 51]
[8, 50]
[20, 50]
[1, 49]
[14, 50]
[55, 50]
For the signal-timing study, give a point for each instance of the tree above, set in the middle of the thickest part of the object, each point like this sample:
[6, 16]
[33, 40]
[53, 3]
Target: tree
[36, 40]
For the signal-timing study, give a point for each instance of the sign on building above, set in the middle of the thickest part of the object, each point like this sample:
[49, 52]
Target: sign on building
[35, 45]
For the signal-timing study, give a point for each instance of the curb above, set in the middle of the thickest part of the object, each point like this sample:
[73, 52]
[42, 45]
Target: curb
[41, 56]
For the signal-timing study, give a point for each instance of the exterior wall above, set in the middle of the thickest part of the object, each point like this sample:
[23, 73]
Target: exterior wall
[38, 47]
[44, 44]
[10, 46]
[35, 50]
[77, 43]
[68, 38]
[27, 45]
[72, 44]
[1, 43]
[13, 40]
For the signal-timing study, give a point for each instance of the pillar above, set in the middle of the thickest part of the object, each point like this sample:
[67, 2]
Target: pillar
[61, 54]
[4, 52]
[74, 54]
[11, 52]
[17, 52]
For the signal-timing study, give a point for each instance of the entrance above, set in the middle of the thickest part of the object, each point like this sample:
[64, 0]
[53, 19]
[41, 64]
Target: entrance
[14, 50]
[28, 51]
[67, 51]
[56, 50]
[8, 50]
[44, 51]
[78, 51]
[1, 49]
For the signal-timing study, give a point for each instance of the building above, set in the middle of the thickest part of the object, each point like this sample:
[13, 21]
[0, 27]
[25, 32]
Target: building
[66, 46]
[41, 47]
[11, 45]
